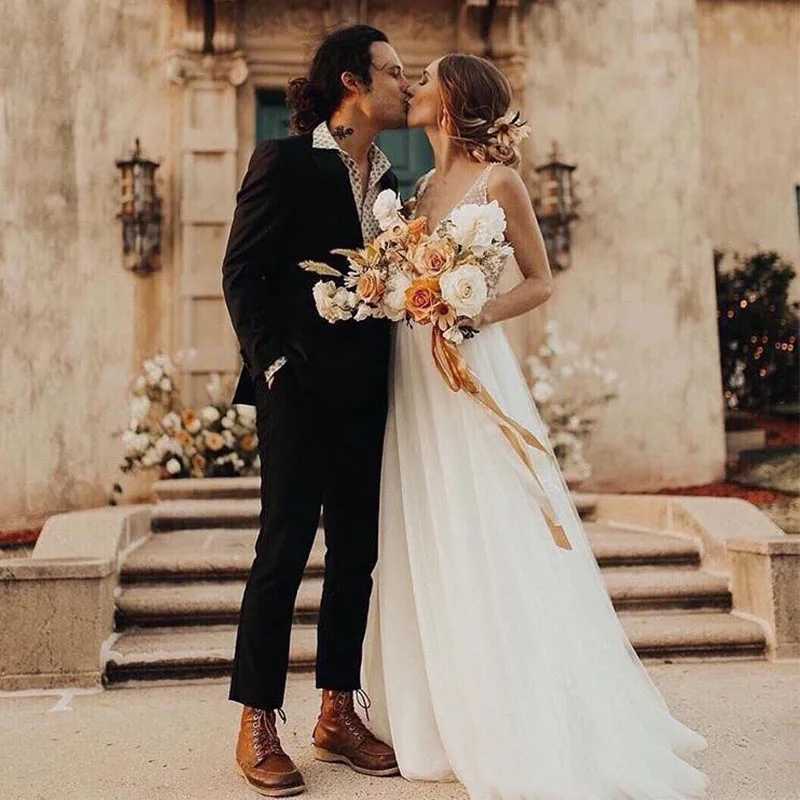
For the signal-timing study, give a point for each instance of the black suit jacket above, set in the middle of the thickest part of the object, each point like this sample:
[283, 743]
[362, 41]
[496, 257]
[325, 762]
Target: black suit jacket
[296, 203]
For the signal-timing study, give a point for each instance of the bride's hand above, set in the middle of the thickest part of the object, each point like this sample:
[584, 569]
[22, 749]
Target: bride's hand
[481, 320]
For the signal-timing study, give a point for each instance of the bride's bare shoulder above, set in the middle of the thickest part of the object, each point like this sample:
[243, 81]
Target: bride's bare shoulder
[506, 185]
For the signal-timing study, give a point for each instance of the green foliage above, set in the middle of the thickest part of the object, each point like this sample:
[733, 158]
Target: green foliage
[758, 330]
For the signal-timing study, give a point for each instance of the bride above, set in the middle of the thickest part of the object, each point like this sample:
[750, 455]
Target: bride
[493, 656]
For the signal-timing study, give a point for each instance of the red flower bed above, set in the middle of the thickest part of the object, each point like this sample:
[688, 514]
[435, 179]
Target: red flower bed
[20, 537]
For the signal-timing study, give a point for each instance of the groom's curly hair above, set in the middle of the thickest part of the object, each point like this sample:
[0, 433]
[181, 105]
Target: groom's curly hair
[314, 98]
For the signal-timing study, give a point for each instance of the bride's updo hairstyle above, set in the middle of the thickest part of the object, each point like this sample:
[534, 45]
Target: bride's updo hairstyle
[314, 98]
[476, 98]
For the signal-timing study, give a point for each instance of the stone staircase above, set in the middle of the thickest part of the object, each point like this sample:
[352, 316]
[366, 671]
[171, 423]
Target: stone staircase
[180, 591]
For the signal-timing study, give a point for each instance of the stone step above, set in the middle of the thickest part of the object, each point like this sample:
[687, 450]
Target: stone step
[201, 603]
[228, 488]
[225, 553]
[203, 651]
[617, 546]
[207, 488]
[203, 554]
[206, 651]
[244, 512]
[205, 602]
[174, 515]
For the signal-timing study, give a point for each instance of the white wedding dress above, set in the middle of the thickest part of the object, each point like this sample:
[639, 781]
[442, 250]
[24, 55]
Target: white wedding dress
[491, 655]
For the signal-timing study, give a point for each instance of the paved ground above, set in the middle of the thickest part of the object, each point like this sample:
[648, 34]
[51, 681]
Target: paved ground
[176, 742]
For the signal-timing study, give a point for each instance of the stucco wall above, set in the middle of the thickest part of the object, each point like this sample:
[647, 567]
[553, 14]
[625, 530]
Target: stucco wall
[80, 80]
[750, 93]
[616, 83]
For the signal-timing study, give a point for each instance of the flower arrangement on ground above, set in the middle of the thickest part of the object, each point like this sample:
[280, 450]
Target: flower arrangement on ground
[569, 387]
[218, 440]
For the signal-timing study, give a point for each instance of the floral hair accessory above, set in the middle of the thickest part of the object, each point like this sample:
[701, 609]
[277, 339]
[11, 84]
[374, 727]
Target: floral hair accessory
[508, 130]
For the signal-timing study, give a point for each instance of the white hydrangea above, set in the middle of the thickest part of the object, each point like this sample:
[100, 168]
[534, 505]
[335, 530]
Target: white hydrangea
[542, 391]
[140, 405]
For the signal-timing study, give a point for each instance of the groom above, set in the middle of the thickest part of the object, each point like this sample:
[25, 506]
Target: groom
[320, 392]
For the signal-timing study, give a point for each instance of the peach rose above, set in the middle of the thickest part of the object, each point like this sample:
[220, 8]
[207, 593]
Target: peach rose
[184, 439]
[434, 257]
[214, 441]
[421, 298]
[249, 442]
[190, 420]
[370, 286]
[198, 463]
[417, 229]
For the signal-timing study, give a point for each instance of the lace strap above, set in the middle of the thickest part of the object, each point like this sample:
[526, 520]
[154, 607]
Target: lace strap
[480, 191]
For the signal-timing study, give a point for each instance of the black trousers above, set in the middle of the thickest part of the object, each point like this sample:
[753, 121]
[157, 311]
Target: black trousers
[315, 452]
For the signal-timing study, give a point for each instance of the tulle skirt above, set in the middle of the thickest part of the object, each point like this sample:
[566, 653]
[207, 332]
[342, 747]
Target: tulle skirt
[492, 656]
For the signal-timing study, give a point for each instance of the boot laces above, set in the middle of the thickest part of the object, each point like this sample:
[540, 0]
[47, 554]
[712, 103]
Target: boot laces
[266, 741]
[354, 723]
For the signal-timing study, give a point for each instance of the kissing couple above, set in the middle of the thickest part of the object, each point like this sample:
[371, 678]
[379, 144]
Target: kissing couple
[486, 653]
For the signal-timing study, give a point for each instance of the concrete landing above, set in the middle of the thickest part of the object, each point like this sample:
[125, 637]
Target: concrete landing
[174, 742]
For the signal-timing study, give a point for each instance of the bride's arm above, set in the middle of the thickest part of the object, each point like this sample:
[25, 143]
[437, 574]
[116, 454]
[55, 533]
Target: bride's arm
[506, 186]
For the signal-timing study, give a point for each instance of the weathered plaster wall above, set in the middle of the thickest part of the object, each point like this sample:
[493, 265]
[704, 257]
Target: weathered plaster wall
[80, 80]
[750, 101]
[616, 84]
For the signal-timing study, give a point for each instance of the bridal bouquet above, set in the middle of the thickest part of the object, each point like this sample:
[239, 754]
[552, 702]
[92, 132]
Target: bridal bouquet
[407, 274]
[439, 278]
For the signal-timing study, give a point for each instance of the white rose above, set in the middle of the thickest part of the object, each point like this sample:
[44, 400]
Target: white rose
[542, 392]
[394, 298]
[194, 426]
[227, 422]
[141, 384]
[173, 466]
[332, 303]
[475, 225]
[464, 289]
[230, 439]
[209, 414]
[386, 208]
[165, 385]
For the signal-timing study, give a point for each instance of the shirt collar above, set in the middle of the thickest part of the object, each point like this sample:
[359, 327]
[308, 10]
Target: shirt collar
[322, 139]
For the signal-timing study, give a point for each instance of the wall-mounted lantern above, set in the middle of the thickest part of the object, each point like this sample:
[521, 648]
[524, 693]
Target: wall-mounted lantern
[556, 207]
[140, 212]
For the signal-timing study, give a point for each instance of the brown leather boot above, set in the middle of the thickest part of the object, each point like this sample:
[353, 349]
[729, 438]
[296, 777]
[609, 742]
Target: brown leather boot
[260, 759]
[341, 736]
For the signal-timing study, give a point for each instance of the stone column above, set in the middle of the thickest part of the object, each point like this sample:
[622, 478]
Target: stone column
[209, 177]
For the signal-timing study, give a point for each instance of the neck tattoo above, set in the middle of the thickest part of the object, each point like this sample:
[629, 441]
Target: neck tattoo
[341, 132]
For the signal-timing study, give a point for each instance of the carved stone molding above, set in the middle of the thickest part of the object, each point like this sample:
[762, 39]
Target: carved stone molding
[491, 29]
[224, 37]
[193, 36]
[181, 67]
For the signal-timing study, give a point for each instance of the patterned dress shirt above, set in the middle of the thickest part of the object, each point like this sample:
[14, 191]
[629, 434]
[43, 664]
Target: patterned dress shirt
[379, 165]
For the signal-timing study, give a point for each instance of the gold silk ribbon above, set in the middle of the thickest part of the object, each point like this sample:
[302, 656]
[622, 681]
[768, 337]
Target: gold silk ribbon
[459, 377]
